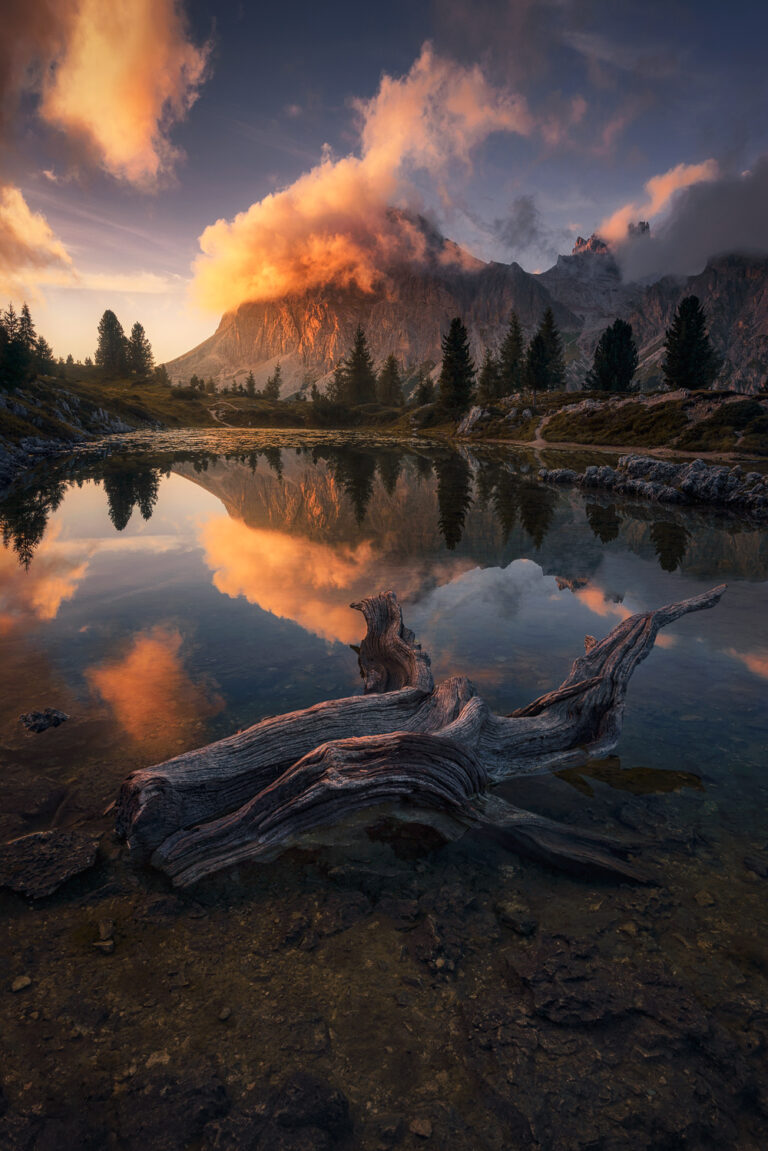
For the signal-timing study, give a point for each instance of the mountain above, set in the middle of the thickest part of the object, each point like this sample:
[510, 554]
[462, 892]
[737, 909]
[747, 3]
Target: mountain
[410, 309]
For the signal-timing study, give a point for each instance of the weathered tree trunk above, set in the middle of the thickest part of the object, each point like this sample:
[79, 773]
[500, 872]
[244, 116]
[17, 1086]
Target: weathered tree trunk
[406, 743]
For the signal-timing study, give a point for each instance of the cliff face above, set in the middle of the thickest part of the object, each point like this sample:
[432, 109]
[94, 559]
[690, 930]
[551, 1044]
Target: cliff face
[406, 315]
[412, 307]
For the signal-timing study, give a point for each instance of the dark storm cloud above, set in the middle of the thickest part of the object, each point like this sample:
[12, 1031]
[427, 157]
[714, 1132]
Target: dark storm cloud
[709, 219]
[524, 231]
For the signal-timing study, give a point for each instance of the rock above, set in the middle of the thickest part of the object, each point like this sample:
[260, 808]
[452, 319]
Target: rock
[106, 929]
[474, 416]
[21, 982]
[704, 899]
[514, 915]
[421, 1128]
[105, 946]
[38, 721]
[225, 1014]
[38, 864]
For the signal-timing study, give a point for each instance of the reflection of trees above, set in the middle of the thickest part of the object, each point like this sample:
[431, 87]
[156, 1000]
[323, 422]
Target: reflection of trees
[389, 467]
[537, 509]
[274, 458]
[505, 498]
[354, 470]
[604, 521]
[24, 517]
[424, 467]
[131, 487]
[454, 481]
[670, 541]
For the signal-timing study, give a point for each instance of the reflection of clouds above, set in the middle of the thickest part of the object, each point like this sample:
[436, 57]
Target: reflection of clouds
[154, 699]
[755, 661]
[38, 592]
[309, 582]
[600, 603]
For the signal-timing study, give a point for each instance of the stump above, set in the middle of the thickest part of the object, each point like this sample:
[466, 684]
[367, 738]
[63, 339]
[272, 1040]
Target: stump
[405, 743]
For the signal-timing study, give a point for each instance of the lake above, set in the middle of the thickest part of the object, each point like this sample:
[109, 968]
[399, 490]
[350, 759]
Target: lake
[173, 588]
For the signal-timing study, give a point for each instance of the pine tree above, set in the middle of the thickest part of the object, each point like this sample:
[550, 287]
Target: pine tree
[359, 377]
[389, 384]
[161, 376]
[690, 361]
[16, 353]
[615, 361]
[44, 356]
[457, 374]
[11, 322]
[511, 358]
[111, 348]
[26, 329]
[250, 384]
[274, 382]
[537, 364]
[554, 350]
[139, 352]
[489, 379]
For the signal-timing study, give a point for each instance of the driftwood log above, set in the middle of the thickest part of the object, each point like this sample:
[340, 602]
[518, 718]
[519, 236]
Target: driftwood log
[405, 743]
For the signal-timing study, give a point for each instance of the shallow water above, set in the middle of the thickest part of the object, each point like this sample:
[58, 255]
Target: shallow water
[185, 586]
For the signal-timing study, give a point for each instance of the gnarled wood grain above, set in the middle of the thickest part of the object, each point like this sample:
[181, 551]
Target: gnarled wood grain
[404, 742]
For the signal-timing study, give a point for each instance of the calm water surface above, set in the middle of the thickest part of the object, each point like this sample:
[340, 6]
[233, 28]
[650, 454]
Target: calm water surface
[183, 588]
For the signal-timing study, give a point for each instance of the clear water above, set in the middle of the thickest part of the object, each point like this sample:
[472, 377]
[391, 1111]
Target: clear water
[186, 586]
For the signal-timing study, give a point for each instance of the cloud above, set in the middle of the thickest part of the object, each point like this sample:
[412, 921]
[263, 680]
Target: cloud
[659, 192]
[152, 695]
[31, 254]
[755, 661]
[721, 216]
[332, 225]
[37, 593]
[114, 77]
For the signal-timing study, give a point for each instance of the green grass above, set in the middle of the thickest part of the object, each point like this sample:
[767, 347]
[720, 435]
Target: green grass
[720, 431]
[634, 425]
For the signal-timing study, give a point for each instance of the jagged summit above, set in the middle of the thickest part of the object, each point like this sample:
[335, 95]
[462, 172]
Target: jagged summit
[594, 245]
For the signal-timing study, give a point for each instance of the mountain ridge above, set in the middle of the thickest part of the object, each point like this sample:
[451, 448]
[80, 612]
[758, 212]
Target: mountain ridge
[407, 312]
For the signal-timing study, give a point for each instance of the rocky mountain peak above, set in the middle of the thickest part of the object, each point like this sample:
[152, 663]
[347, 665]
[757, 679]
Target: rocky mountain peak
[594, 245]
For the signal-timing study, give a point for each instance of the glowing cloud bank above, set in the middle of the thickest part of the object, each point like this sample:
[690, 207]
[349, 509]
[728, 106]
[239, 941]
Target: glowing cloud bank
[113, 76]
[332, 224]
[30, 252]
[659, 192]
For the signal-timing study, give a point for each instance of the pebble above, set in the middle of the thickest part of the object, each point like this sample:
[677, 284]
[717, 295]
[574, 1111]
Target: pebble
[20, 982]
[420, 1127]
[225, 1014]
[704, 899]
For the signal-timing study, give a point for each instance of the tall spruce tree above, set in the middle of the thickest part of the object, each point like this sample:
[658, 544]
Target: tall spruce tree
[537, 364]
[512, 358]
[389, 385]
[359, 378]
[273, 384]
[111, 350]
[26, 329]
[457, 374]
[250, 384]
[690, 361]
[139, 352]
[489, 379]
[554, 351]
[615, 361]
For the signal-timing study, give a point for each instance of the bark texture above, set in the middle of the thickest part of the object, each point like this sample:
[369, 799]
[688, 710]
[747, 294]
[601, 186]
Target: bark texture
[405, 743]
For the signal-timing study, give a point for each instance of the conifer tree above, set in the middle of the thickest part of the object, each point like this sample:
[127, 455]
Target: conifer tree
[690, 361]
[554, 350]
[537, 364]
[511, 358]
[390, 384]
[615, 361]
[44, 356]
[139, 351]
[111, 348]
[26, 329]
[274, 383]
[457, 373]
[489, 379]
[359, 377]
[250, 384]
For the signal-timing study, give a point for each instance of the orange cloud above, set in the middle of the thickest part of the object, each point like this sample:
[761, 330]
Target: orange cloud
[598, 602]
[659, 191]
[154, 699]
[31, 254]
[332, 225]
[114, 76]
[292, 577]
[756, 661]
[38, 592]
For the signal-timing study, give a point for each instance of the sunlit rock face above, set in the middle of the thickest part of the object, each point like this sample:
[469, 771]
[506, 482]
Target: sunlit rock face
[406, 315]
[409, 310]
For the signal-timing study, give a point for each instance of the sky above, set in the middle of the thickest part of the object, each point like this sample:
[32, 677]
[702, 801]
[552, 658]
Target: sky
[171, 159]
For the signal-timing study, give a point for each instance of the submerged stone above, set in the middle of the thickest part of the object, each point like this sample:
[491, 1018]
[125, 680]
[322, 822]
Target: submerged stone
[38, 864]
